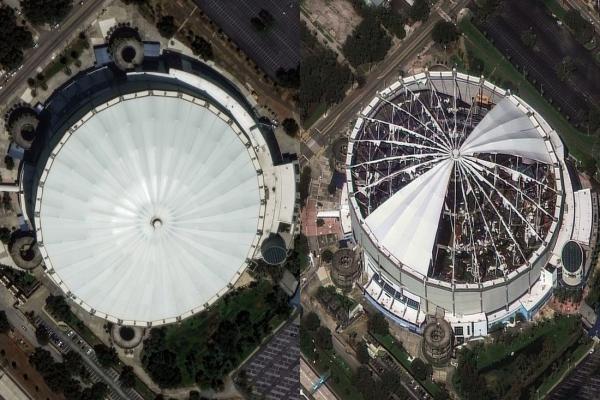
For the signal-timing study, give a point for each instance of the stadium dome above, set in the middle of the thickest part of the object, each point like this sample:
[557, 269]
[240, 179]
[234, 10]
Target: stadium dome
[150, 203]
[455, 188]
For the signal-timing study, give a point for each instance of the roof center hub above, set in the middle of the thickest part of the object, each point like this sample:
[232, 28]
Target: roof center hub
[455, 154]
[156, 223]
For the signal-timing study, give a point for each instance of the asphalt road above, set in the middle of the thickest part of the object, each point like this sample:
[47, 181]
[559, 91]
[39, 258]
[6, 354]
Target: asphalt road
[340, 115]
[308, 377]
[49, 42]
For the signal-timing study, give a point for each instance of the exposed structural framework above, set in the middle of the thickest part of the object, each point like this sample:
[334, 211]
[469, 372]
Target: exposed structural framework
[456, 194]
[149, 201]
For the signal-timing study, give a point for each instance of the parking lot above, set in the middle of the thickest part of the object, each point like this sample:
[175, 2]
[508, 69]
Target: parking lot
[71, 341]
[277, 47]
[273, 371]
[553, 43]
[583, 383]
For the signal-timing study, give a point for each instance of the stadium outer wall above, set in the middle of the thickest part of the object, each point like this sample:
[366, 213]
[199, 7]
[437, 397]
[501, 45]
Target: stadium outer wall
[461, 300]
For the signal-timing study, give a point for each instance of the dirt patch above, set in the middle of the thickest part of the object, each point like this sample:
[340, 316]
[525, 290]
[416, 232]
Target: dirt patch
[14, 355]
[335, 18]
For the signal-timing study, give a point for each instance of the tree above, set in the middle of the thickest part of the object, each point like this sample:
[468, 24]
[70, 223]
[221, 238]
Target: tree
[98, 391]
[419, 369]
[201, 47]
[378, 324]
[4, 324]
[127, 376]
[528, 37]
[565, 69]
[419, 10]
[5, 234]
[362, 353]
[107, 356]
[322, 80]
[41, 334]
[311, 321]
[9, 162]
[290, 126]
[327, 256]
[320, 222]
[323, 338]
[368, 42]
[58, 307]
[444, 32]
[40, 12]
[14, 38]
[166, 26]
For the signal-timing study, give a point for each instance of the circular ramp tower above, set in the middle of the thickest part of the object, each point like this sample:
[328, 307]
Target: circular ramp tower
[22, 123]
[345, 268]
[437, 341]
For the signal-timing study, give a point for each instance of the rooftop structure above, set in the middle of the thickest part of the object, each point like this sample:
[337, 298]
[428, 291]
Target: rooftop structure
[149, 200]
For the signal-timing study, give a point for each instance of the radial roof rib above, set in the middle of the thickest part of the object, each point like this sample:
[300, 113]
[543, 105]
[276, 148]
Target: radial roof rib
[507, 130]
[407, 222]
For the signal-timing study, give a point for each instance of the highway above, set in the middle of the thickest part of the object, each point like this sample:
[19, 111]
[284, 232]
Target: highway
[49, 43]
[339, 116]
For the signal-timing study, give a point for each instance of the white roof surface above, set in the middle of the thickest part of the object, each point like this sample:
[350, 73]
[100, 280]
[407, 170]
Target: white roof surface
[150, 208]
[582, 228]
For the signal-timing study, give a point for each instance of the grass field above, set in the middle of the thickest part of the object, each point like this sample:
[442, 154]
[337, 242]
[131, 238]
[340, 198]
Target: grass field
[498, 69]
[559, 330]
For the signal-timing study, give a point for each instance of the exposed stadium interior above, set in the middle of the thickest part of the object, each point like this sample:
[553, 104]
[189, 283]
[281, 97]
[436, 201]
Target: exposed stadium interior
[461, 199]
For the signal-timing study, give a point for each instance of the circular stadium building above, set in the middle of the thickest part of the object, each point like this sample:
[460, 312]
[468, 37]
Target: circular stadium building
[149, 191]
[459, 196]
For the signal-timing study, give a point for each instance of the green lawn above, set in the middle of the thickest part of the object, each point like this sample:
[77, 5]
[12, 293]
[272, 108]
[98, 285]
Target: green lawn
[555, 8]
[315, 115]
[498, 69]
[558, 329]
[398, 352]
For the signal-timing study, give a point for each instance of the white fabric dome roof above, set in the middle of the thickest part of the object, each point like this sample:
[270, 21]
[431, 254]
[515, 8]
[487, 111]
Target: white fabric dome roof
[149, 209]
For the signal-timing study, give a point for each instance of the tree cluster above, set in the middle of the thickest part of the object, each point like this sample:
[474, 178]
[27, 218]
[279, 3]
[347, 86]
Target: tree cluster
[107, 356]
[368, 43]
[290, 126]
[323, 81]
[202, 48]
[263, 22]
[419, 11]
[14, 38]
[378, 324]
[216, 352]
[58, 307]
[40, 12]
[61, 377]
[166, 26]
[444, 32]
